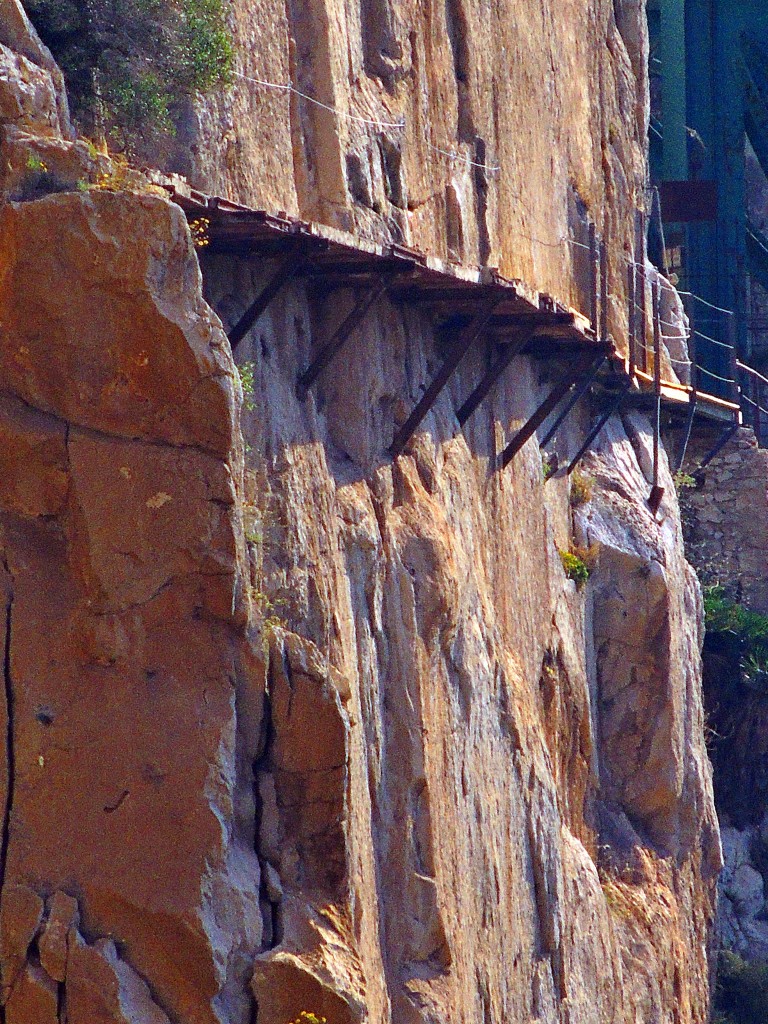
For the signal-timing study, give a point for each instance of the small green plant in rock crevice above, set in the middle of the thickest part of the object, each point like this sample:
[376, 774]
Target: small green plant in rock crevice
[576, 568]
[683, 481]
[582, 487]
[38, 180]
[579, 562]
[247, 371]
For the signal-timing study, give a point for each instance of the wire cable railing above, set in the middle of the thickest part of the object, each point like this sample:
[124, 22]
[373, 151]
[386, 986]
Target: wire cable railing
[742, 385]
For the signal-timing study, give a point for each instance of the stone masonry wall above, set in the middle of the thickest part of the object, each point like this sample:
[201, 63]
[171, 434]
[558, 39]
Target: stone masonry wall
[726, 518]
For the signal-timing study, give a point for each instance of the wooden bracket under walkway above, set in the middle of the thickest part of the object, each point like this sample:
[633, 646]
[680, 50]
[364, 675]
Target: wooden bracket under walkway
[688, 430]
[288, 268]
[577, 367]
[456, 353]
[582, 387]
[613, 407]
[508, 351]
[339, 337]
[722, 441]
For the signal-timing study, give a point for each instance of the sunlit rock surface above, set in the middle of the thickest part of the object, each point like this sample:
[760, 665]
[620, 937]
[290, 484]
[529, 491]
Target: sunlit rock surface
[289, 726]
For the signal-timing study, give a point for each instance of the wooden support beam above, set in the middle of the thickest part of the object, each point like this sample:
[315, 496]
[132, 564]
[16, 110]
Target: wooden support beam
[508, 352]
[582, 387]
[557, 394]
[455, 354]
[286, 271]
[688, 429]
[594, 274]
[339, 337]
[722, 441]
[657, 492]
[378, 266]
[605, 415]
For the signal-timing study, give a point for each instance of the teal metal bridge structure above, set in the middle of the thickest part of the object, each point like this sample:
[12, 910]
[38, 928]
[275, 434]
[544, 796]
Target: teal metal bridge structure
[709, 95]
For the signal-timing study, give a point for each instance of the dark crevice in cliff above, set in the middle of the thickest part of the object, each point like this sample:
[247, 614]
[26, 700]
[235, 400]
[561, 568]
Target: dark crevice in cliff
[382, 46]
[98, 434]
[481, 191]
[459, 36]
[270, 907]
[9, 754]
[261, 765]
[9, 745]
[60, 1003]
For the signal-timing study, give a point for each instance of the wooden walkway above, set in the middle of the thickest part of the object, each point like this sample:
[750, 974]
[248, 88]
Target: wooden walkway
[475, 301]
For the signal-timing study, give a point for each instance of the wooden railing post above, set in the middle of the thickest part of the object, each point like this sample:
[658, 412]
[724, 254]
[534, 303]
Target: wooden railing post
[758, 418]
[733, 361]
[692, 349]
[640, 289]
[631, 279]
[594, 260]
[657, 492]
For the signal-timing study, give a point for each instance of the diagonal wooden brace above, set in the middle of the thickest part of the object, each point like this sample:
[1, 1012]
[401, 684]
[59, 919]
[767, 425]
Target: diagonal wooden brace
[582, 387]
[688, 430]
[340, 336]
[722, 441]
[613, 407]
[456, 353]
[558, 393]
[508, 353]
[286, 271]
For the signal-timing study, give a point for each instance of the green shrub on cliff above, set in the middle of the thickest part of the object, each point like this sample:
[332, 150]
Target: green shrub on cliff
[741, 996]
[127, 62]
[740, 632]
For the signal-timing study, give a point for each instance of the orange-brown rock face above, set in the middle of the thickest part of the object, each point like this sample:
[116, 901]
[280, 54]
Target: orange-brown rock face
[336, 735]
[523, 828]
[124, 655]
[498, 129]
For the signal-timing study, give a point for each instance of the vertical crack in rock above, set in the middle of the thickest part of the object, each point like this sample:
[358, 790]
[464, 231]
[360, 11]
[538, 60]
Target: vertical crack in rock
[269, 902]
[60, 1003]
[9, 753]
[9, 746]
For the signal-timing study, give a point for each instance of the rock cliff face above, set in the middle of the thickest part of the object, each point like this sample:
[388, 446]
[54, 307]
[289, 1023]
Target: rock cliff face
[497, 129]
[290, 725]
[529, 828]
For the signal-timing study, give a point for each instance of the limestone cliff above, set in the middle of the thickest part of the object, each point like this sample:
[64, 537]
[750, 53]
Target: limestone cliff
[484, 133]
[291, 725]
